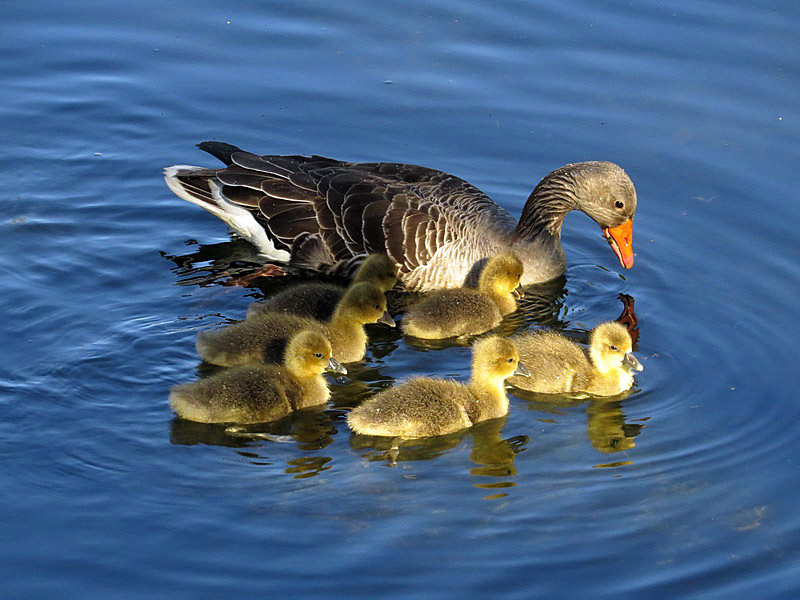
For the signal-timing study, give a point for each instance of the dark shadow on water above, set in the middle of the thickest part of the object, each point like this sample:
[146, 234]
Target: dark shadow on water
[212, 264]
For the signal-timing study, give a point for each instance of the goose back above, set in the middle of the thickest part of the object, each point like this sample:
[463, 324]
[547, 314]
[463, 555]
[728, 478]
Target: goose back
[323, 213]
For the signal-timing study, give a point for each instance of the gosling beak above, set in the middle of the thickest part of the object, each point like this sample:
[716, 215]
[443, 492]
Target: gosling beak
[518, 293]
[387, 319]
[620, 238]
[522, 370]
[335, 366]
[631, 361]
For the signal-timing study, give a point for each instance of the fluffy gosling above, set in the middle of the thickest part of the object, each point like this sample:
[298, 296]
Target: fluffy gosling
[263, 337]
[423, 407]
[560, 366]
[317, 300]
[468, 311]
[260, 393]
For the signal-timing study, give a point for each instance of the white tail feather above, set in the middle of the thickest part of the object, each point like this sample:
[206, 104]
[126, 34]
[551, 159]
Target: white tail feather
[239, 219]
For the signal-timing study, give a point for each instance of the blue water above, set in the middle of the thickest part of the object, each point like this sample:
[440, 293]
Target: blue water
[686, 488]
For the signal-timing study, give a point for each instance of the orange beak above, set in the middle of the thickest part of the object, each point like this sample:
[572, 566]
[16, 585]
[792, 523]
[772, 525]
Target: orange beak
[620, 238]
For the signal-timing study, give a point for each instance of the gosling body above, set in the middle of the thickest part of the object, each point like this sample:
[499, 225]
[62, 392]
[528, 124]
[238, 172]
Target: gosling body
[261, 393]
[263, 337]
[423, 407]
[468, 311]
[318, 300]
[560, 366]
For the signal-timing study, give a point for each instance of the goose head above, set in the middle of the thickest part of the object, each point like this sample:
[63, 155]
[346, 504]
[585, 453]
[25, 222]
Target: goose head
[502, 275]
[378, 269]
[495, 357]
[610, 348]
[602, 190]
[364, 303]
[309, 354]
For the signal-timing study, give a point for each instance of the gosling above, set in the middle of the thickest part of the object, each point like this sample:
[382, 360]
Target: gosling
[423, 407]
[317, 300]
[468, 311]
[263, 337]
[561, 366]
[261, 393]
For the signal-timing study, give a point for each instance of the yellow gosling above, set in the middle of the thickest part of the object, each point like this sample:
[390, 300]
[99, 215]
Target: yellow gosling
[468, 311]
[263, 337]
[260, 393]
[423, 407]
[558, 365]
[317, 300]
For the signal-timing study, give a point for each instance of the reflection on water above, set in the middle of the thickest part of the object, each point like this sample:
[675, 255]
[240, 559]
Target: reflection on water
[310, 429]
[492, 455]
[606, 427]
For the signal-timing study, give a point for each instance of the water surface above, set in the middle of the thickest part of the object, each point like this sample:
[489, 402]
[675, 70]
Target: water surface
[685, 488]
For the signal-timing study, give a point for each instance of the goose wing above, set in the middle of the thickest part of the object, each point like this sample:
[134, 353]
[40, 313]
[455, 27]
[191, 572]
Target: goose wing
[327, 212]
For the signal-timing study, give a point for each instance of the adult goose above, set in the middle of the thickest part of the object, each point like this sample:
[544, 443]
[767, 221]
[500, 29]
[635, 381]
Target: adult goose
[323, 213]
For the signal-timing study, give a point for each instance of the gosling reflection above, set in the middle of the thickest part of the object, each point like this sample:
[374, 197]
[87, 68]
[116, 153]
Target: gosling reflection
[309, 430]
[492, 455]
[606, 426]
[495, 455]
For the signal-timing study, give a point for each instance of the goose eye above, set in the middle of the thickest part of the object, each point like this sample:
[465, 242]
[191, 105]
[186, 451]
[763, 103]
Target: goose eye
[614, 348]
[318, 354]
[619, 204]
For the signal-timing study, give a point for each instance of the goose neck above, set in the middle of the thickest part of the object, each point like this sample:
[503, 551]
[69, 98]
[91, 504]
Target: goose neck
[547, 206]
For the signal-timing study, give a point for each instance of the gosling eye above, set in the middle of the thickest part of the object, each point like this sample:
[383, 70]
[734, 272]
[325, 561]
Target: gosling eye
[614, 348]
[318, 354]
[619, 204]
[377, 307]
[510, 360]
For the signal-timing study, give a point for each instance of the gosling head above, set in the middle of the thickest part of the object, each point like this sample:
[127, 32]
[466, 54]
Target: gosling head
[502, 274]
[378, 269]
[610, 348]
[497, 357]
[309, 353]
[366, 303]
